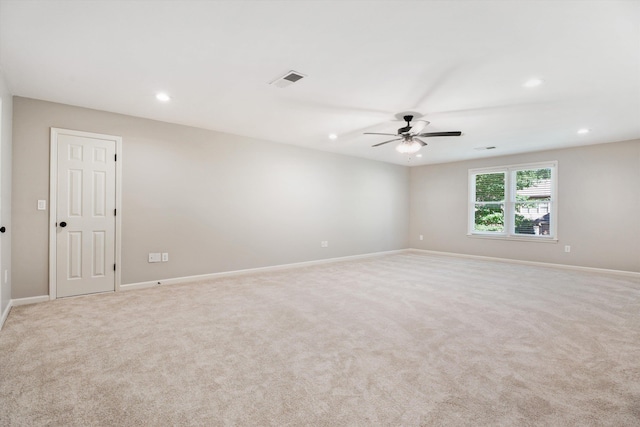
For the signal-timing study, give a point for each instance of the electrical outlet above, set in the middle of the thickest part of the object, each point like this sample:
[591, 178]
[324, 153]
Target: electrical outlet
[567, 248]
[165, 257]
[154, 257]
[421, 237]
[42, 205]
[324, 244]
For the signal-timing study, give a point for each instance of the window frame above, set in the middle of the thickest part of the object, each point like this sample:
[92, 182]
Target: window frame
[510, 203]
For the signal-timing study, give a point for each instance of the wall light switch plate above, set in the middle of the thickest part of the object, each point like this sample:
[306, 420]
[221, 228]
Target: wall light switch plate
[165, 257]
[154, 257]
[42, 205]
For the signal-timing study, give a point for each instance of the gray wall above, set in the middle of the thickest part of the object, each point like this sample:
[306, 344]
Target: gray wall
[5, 193]
[598, 208]
[216, 202]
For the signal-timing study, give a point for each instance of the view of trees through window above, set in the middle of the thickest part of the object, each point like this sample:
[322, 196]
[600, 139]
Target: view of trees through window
[490, 202]
[530, 205]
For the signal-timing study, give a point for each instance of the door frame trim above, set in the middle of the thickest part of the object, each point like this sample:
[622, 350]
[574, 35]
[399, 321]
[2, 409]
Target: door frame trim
[53, 203]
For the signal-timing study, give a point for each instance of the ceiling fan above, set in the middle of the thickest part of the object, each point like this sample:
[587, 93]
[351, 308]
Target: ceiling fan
[410, 136]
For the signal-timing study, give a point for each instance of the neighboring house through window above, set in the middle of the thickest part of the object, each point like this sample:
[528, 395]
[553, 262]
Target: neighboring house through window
[517, 201]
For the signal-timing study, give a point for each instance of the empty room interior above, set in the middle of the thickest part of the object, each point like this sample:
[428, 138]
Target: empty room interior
[320, 213]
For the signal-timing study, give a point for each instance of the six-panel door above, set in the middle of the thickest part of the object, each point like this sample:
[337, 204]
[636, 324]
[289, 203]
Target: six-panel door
[85, 232]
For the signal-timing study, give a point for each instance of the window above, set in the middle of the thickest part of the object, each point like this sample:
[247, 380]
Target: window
[514, 201]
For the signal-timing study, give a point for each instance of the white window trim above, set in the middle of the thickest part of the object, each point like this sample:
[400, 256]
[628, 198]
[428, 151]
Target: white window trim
[509, 198]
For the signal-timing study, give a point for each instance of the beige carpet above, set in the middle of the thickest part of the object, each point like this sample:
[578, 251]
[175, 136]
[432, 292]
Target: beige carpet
[401, 340]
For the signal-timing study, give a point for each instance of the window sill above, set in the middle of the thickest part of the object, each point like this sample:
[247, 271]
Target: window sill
[538, 239]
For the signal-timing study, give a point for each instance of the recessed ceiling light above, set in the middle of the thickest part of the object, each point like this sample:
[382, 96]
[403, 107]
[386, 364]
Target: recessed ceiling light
[333, 136]
[163, 97]
[583, 131]
[418, 155]
[532, 83]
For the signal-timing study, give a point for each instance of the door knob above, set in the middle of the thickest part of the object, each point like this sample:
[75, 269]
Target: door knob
[2, 229]
[63, 224]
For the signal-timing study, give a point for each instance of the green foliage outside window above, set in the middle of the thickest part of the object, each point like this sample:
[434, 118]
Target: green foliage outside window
[490, 191]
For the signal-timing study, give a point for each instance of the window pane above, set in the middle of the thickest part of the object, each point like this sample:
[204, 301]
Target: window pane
[489, 217]
[533, 220]
[533, 184]
[490, 187]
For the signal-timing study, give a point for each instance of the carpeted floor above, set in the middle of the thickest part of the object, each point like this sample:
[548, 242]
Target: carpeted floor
[401, 340]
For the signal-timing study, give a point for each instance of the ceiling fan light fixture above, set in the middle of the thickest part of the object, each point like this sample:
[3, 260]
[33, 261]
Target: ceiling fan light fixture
[408, 147]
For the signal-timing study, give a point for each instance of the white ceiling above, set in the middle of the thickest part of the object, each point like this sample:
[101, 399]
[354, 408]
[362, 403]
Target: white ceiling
[461, 64]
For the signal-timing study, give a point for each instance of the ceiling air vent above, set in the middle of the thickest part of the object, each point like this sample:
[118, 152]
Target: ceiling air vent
[288, 79]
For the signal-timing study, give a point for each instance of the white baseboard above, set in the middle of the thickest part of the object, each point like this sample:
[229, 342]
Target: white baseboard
[5, 314]
[176, 280]
[30, 300]
[535, 263]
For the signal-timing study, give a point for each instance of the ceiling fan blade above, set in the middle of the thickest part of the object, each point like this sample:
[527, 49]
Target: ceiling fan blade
[386, 142]
[420, 141]
[377, 133]
[432, 134]
[418, 126]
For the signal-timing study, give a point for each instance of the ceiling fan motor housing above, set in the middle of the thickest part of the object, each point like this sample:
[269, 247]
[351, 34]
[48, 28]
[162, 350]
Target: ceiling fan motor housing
[407, 128]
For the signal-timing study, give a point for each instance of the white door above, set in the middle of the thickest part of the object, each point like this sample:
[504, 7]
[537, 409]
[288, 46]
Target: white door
[2, 227]
[85, 214]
